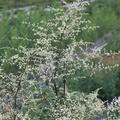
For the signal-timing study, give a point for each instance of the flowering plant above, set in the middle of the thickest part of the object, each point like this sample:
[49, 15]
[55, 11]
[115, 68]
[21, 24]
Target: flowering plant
[37, 90]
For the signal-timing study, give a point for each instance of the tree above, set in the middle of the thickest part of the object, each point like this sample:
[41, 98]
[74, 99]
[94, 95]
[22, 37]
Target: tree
[37, 89]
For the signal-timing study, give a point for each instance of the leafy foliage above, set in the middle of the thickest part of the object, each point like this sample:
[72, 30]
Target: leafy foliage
[36, 88]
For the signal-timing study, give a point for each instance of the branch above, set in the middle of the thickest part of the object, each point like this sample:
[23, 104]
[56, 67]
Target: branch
[15, 98]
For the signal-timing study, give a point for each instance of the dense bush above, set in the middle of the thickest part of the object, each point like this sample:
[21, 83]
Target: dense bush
[107, 81]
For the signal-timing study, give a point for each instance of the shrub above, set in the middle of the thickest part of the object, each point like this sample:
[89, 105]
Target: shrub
[38, 89]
